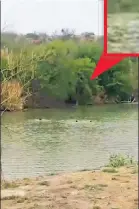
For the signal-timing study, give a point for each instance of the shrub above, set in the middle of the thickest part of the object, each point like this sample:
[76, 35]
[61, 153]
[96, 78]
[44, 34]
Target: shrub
[119, 160]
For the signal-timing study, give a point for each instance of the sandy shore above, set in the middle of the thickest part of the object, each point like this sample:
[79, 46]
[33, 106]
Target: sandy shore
[106, 189]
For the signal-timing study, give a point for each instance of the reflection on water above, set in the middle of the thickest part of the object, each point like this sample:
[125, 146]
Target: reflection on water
[58, 143]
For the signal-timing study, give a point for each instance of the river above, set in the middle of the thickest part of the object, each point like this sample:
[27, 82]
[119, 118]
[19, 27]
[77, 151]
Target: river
[57, 143]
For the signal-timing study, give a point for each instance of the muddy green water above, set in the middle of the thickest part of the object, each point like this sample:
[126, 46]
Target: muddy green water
[58, 143]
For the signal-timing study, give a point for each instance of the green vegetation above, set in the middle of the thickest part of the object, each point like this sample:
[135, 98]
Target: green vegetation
[115, 6]
[118, 160]
[109, 170]
[63, 67]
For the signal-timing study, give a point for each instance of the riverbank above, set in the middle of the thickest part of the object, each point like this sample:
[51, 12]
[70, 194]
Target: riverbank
[108, 188]
[50, 103]
[40, 100]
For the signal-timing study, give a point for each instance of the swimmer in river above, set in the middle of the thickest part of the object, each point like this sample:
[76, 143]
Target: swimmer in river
[76, 120]
[40, 118]
[90, 120]
[132, 98]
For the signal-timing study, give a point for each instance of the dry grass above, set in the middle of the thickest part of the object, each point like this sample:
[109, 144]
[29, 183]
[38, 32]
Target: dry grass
[11, 95]
[17, 73]
[110, 170]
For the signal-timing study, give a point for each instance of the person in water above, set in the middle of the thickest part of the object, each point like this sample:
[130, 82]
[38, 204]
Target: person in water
[132, 98]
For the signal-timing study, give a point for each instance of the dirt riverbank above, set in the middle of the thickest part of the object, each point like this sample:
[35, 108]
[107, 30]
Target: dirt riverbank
[106, 189]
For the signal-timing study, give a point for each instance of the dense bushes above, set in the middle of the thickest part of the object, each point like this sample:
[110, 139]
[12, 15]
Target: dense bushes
[64, 69]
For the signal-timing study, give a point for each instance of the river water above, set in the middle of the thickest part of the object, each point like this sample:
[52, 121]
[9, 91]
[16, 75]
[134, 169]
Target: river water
[57, 143]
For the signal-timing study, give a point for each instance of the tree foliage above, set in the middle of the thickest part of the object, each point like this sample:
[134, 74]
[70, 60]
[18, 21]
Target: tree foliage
[64, 68]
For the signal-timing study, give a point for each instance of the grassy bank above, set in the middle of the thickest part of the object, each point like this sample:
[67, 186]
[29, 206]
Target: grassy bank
[113, 187]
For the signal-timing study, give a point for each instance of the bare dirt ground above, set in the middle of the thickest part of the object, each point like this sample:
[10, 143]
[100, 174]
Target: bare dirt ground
[107, 189]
